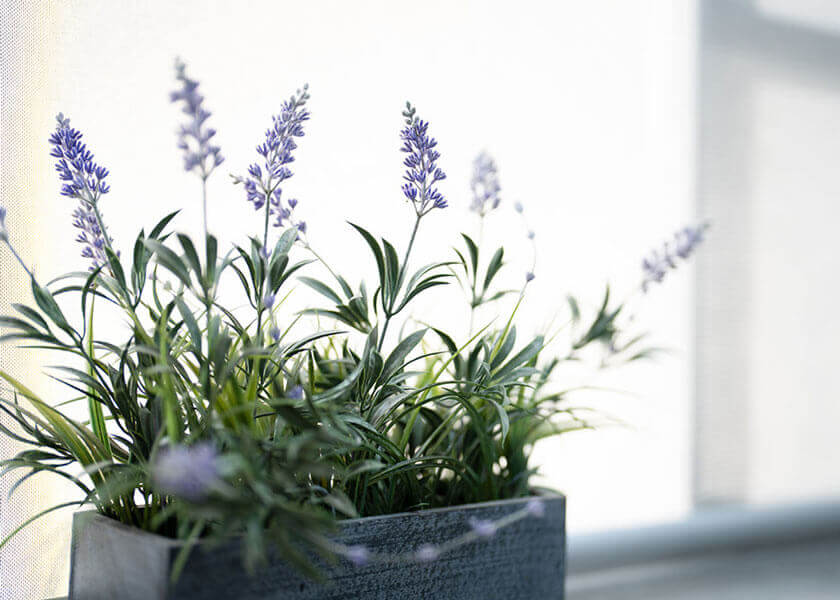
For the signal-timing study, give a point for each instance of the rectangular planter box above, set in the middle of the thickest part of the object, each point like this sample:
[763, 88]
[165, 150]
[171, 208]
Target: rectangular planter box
[523, 561]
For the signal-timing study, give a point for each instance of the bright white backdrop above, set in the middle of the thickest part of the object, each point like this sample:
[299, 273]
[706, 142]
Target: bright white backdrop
[587, 107]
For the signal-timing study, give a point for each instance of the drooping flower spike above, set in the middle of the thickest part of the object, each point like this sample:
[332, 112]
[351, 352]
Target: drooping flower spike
[85, 181]
[485, 184]
[262, 185]
[657, 264]
[195, 137]
[422, 172]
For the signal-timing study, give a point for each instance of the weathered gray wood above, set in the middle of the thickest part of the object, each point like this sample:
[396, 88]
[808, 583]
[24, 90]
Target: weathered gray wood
[524, 561]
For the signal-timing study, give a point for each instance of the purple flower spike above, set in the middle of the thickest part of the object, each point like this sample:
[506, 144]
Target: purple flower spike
[263, 182]
[359, 556]
[657, 264]
[188, 472]
[485, 185]
[195, 137]
[427, 553]
[422, 172]
[84, 180]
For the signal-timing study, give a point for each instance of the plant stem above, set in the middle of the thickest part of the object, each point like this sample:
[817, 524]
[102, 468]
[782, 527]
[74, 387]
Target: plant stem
[400, 276]
[473, 302]
[204, 203]
[19, 259]
[267, 213]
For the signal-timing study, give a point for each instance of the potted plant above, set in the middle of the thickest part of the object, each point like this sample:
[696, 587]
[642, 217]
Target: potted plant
[341, 451]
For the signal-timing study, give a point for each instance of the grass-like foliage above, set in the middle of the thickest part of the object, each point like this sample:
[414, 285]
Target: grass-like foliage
[210, 419]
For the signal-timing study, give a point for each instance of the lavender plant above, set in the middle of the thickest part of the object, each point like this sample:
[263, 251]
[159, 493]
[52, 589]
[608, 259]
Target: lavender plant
[207, 420]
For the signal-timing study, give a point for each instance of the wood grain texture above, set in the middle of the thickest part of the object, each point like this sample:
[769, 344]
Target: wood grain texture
[525, 561]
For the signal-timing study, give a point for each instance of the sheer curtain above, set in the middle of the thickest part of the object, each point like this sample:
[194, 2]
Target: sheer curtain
[587, 107]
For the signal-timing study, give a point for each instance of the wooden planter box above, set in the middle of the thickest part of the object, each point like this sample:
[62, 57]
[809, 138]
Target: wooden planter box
[523, 561]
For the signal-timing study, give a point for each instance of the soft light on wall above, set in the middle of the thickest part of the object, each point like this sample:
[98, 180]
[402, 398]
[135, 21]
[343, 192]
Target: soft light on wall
[587, 108]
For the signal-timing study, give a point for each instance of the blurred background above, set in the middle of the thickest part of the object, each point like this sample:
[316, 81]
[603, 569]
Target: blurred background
[614, 123]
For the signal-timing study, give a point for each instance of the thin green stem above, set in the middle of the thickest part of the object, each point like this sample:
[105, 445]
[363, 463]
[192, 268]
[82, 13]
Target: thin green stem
[204, 203]
[400, 277]
[267, 214]
[474, 301]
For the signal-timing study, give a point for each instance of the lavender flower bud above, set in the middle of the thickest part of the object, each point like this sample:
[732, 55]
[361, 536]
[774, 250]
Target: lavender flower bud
[535, 507]
[188, 472]
[529, 277]
[295, 393]
[657, 264]
[358, 555]
[421, 171]
[194, 137]
[427, 553]
[84, 181]
[274, 332]
[518, 207]
[483, 528]
[268, 301]
[262, 185]
[485, 185]
[531, 235]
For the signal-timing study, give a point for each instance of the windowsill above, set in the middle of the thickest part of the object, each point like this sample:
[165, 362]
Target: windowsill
[801, 571]
[732, 553]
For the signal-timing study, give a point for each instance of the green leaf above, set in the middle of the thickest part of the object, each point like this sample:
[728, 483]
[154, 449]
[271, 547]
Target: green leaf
[473, 250]
[155, 233]
[190, 254]
[169, 260]
[48, 305]
[399, 354]
[321, 288]
[286, 241]
[192, 325]
[374, 247]
[32, 315]
[493, 267]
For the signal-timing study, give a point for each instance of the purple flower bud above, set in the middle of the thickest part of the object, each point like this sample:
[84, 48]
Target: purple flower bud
[518, 207]
[274, 332]
[87, 185]
[268, 301]
[188, 472]
[194, 138]
[657, 264]
[421, 170]
[485, 184]
[262, 184]
[529, 277]
[531, 235]
[295, 393]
